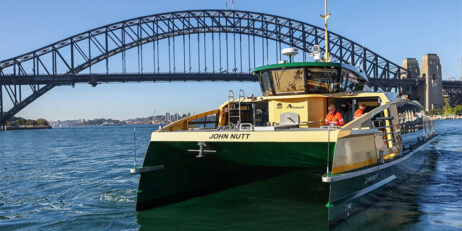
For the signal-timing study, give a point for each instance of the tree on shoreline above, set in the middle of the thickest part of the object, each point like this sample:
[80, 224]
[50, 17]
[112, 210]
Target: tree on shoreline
[457, 110]
[19, 121]
[42, 122]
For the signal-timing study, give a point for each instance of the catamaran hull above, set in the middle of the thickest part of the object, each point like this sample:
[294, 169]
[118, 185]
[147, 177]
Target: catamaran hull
[172, 172]
[353, 192]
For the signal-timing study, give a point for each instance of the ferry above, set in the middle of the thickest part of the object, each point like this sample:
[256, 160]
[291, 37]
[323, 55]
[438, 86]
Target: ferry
[252, 138]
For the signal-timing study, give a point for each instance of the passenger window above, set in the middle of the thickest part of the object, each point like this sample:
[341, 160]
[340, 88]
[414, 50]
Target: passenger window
[261, 113]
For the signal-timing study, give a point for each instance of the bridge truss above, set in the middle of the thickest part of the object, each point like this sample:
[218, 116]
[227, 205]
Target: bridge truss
[193, 45]
[453, 90]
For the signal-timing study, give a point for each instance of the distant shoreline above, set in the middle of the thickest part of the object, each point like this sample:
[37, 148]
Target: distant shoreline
[119, 125]
[446, 117]
[27, 127]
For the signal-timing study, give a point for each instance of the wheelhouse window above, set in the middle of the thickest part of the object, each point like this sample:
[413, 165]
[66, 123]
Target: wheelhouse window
[352, 82]
[323, 80]
[266, 83]
[289, 81]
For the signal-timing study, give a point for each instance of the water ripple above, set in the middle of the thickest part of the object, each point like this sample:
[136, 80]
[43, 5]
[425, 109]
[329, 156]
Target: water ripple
[77, 178]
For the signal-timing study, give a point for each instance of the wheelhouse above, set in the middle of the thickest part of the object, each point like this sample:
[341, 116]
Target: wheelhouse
[309, 78]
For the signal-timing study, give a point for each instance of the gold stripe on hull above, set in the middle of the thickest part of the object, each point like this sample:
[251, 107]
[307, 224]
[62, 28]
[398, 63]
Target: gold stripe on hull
[247, 136]
[349, 167]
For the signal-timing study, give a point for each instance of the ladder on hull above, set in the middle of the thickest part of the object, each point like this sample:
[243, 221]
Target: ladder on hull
[389, 136]
[234, 120]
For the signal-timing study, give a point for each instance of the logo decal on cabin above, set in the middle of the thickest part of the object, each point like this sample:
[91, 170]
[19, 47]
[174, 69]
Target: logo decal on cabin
[294, 107]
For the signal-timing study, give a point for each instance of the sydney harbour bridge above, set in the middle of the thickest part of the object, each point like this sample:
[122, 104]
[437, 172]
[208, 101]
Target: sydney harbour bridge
[195, 45]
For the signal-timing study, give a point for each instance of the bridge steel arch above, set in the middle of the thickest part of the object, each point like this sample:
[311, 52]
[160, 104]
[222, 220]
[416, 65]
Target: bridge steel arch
[98, 45]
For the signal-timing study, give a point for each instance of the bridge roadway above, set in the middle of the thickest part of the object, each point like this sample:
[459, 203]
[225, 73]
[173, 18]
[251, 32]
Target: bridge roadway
[95, 79]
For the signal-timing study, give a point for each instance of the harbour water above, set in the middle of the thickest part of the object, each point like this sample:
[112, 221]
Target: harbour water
[78, 179]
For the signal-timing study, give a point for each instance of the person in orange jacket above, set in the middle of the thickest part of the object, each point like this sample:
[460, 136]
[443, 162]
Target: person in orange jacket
[334, 117]
[360, 111]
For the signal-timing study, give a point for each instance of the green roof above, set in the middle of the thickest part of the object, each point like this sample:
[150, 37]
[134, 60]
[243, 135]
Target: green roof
[298, 64]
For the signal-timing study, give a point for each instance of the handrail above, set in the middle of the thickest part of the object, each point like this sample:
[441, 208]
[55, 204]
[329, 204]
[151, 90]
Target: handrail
[328, 148]
[183, 124]
[230, 100]
[384, 118]
[241, 98]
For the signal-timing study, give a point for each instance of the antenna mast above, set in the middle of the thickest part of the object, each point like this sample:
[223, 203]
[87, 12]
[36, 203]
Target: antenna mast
[325, 17]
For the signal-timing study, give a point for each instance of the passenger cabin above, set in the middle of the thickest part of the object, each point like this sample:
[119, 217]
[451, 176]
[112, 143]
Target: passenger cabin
[294, 95]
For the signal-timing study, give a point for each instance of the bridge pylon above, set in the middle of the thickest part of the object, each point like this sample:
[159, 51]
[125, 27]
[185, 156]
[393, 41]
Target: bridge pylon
[413, 72]
[429, 83]
[431, 72]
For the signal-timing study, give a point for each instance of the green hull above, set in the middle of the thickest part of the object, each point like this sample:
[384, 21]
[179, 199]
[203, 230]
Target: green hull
[277, 203]
[175, 174]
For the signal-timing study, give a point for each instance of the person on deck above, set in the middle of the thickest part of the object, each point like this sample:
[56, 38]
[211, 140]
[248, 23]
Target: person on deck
[334, 117]
[360, 111]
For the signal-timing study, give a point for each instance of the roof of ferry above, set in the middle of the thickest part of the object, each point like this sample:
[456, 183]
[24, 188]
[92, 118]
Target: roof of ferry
[298, 64]
[311, 64]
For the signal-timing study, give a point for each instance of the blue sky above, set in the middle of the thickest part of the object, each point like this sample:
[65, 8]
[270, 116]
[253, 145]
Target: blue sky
[394, 29]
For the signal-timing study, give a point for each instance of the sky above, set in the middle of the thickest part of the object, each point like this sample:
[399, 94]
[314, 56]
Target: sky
[395, 29]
